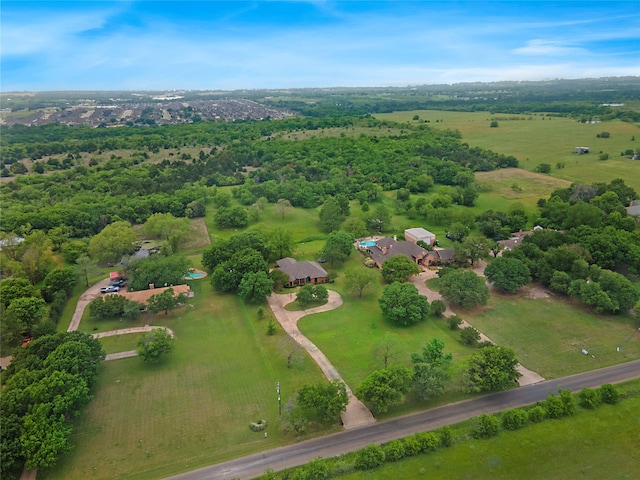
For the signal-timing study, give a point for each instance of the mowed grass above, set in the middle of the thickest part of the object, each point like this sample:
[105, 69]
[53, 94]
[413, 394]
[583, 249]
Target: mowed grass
[548, 334]
[351, 336]
[120, 343]
[192, 409]
[593, 445]
[535, 139]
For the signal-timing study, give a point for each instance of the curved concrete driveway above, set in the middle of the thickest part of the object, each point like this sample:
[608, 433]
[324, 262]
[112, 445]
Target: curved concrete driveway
[528, 376]
[84, 300]
[124, 331]
[328, 446]
[356, 414]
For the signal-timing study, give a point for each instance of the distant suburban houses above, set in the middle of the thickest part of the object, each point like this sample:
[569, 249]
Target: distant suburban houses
[301, 273]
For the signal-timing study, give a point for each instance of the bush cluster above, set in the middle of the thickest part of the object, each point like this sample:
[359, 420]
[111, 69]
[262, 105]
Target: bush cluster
[485, 426]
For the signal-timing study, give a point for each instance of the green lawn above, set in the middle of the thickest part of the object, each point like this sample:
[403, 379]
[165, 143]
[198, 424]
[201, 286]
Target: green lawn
[593, 445]
[192, 409]
[548, 334]
[120, 343]
[535, 139]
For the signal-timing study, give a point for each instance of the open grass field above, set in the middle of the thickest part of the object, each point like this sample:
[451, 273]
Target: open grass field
[592, 445]
[535, 139]
[192, 409]
[548, 334]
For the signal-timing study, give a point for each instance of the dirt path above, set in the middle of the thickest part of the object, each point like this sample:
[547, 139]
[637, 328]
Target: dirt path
[357, 414]
[528, 376]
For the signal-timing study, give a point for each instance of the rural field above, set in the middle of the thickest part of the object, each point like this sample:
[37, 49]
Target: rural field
[592, 445]
[194, 408]
[535, 139]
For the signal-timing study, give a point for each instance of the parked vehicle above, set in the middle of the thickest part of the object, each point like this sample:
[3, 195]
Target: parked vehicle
[110, 289]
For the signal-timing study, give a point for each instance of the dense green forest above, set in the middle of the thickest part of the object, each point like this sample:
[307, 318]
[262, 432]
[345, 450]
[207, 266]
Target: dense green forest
[303, 171]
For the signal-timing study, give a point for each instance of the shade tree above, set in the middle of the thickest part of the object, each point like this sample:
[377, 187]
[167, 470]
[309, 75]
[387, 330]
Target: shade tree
[358, 280]
[491, 368]
[338, 247]
[398, 269]
[509, 274]
[152, 346]
[386, 387]
[323, 401]
[402, 304]
[465, 288]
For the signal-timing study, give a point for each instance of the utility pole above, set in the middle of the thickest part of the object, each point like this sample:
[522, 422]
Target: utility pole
[279, 401]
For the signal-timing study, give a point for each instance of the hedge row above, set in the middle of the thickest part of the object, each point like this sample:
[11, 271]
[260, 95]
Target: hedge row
[484, 426]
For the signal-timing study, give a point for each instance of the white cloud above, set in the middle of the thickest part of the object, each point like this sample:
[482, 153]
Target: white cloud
[547, 48]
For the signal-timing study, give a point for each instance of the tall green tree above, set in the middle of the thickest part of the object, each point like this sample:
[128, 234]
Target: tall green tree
[403, 305]
[112, 243]
[168, 228]
[324, 401]
[464, 288]
[509, 274]
[157, 270]
[386, 387]
[12, 288]
[330, 215]
[399, 268]
[255, 286]
[492, 368]
[59, 280]
[86, 268]
[358, 280]
[21, 316]
[338, 247]
[154, 345]
[165, 301]
[279, 243]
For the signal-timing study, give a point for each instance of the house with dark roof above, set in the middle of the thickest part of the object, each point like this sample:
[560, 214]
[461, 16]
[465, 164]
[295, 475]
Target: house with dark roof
[385, 248]
[301, 273]
[439, 256]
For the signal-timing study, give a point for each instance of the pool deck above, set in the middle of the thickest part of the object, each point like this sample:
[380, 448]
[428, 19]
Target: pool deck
[195, 270]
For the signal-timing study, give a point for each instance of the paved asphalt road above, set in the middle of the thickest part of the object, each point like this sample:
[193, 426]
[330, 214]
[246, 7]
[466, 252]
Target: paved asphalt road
[349, 440]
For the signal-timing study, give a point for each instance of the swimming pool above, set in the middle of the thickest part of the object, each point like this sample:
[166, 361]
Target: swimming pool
[368, 243]
[194, 275]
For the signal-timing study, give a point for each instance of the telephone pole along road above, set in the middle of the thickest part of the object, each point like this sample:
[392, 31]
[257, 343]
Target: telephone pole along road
[357, 438]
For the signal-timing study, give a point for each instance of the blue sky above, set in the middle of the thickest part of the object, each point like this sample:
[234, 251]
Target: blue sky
[161, 45]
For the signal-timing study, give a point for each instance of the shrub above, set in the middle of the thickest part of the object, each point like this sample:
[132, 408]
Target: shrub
[429, 442]
[488, 426]
[589, 398]
[469, 336]
[446, 436]
[394, 451]
[568, 401]
[437, 308]
[553, 407]
[543, 168]
[454, 322]
[371, 456]
[536, 414]
[411, 446]
[514, 419]
[609, 394]
[271, 327]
